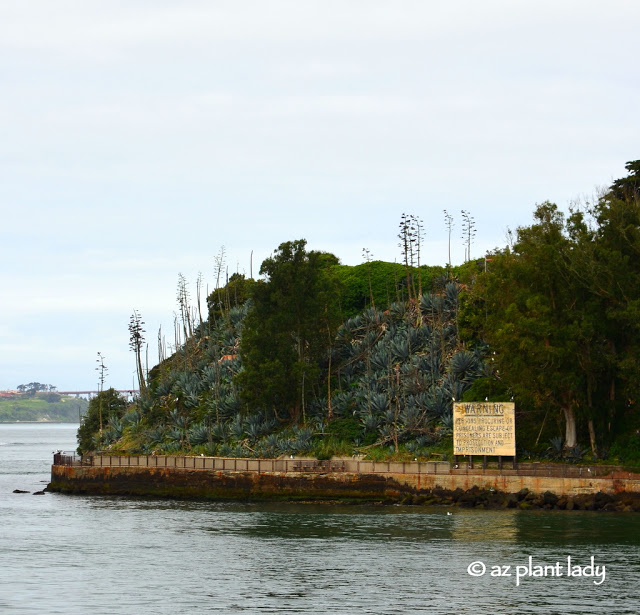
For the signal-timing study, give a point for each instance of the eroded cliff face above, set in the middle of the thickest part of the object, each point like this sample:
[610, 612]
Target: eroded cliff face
[466, 491]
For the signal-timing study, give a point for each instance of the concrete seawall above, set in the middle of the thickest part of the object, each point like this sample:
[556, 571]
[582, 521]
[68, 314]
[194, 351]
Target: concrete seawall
[188, 477]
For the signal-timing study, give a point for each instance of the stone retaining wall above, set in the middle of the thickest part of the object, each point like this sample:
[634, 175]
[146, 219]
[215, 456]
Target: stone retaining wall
[189, 477]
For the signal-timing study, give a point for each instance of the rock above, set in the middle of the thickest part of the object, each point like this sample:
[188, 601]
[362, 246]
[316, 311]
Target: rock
[550, 499]
[512, 500]
[38, 493]
[570, 504]
[522, 494]
[601, 500]
[20, 491]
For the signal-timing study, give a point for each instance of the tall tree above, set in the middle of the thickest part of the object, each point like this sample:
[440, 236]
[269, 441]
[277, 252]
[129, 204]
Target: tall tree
[529, 316]
[562, 311]
[285, 334]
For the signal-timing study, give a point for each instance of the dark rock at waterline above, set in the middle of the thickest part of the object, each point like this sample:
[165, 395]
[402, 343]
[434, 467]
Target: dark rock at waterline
[20, 491]
[38, 493]
[549, 499]
[601, 500]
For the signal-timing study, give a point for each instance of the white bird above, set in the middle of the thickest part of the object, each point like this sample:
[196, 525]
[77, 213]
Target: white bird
[449, 514]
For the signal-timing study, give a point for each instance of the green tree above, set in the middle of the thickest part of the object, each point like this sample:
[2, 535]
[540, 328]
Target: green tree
[605, 262]
[561, 311]
[528, 312]
[291, 322]
[108, 403]
[233, 294]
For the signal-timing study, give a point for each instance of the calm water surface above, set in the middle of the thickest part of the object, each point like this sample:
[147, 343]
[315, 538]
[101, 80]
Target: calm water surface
[99, 555]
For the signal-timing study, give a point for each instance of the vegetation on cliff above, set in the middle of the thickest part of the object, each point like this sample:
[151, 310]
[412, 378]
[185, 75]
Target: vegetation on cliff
[318, 358]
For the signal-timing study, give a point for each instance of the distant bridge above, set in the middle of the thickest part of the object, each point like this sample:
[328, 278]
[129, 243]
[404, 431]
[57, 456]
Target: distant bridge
[127, 391]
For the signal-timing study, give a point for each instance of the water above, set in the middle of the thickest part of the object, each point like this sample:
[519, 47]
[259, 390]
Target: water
[101, 555]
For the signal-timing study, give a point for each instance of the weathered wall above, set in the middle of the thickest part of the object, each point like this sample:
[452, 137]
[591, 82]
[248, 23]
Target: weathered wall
[227, 484]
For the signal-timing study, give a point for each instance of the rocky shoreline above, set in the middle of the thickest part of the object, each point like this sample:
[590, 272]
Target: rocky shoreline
[526, 500]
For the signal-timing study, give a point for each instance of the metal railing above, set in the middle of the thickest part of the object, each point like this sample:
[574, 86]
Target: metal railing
[347, 464]
[286, 465]
[66, 458]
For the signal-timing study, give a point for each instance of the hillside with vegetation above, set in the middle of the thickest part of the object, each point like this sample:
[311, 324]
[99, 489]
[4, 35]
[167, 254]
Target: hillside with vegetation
[41, 407]
[319, 358]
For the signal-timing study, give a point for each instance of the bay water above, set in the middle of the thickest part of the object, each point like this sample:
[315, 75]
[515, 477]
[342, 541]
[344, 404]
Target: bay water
[77, 555]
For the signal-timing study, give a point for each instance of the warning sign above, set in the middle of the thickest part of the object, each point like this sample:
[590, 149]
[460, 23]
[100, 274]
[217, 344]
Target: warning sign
[484, 428]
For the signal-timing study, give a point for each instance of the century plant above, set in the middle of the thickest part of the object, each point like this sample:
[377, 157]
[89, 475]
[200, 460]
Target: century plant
[136, 341]
[448, 221]
[468, 232]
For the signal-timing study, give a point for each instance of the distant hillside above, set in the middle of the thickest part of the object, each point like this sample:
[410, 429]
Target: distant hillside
[46, 407]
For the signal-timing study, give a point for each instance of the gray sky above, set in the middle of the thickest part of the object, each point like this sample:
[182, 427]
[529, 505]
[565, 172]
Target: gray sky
[139, 137]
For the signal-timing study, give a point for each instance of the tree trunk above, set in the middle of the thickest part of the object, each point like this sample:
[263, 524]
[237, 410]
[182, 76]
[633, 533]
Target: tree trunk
[592, 439]
[570, 431]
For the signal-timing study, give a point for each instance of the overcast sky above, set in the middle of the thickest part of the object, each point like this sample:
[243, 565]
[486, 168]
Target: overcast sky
[139, 137]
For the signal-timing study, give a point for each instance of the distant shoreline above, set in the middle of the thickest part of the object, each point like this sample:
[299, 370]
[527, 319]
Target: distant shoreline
[45, 422]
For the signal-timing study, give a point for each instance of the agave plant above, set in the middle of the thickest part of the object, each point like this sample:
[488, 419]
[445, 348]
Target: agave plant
[237, 427]
[400, 350]
[237, 315]
[380, 359]
[371, 422]
[253, 431]
[342, 402]
[116, 427]
[175, 435]
[439, 403]
[451, 294]
[163, 387]
[556, 447]
[464, 365]
[156, 434]
[210, 376]
[229, 405]
[133, 418]
[172, 447]
[302, 440]
[378, 402]
[372, 316]
[419, 400]
[220, 432]
[398, 309]
[447, 422]
[272, 445]
[198, 434]
[411, 418]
